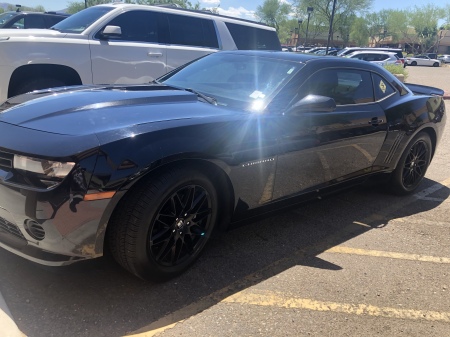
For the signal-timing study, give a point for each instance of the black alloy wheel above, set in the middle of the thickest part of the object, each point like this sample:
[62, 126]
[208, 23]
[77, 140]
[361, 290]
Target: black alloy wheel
[412, 166]
[413, 63]
[163, 224]
[180, 226]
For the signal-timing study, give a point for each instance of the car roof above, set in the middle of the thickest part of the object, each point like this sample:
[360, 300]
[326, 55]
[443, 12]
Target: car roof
[373, 52]
[318, 60]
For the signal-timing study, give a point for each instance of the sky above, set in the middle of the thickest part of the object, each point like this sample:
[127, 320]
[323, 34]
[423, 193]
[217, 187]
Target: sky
[236, 8]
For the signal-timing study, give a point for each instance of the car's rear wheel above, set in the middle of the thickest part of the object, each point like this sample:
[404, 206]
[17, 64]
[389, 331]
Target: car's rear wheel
[36, 84]
[412, 165]
[162, 226]
[413, 63]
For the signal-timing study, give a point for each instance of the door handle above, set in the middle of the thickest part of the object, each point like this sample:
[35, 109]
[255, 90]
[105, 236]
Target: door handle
[154, 54]
[375, 121]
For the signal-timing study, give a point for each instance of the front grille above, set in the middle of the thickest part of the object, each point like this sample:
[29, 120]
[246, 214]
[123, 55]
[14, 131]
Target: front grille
[6, 160]
[10, 228]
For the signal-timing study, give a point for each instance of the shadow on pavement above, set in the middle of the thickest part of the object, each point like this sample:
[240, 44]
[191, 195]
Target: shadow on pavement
[98, 298]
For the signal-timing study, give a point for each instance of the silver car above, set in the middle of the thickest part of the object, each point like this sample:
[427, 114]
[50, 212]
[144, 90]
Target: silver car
[422, 60]
[444, 58]
[379, 57]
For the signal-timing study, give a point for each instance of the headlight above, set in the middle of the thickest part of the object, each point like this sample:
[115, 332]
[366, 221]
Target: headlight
[48, 168]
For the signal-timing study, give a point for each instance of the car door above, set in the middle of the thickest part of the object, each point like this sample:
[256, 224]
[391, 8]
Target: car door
[321, 147]
[134, 56]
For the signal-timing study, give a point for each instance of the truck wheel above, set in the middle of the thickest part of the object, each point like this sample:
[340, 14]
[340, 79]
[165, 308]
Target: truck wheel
[36, 84]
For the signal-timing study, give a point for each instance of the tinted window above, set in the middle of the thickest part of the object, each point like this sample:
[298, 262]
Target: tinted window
[191, 31]
[251, 38]
[345, 86]
[34, 21]
[382, 87]
[137, 26]
[17, 23]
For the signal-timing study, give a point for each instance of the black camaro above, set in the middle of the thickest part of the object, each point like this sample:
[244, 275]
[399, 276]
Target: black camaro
[150, 171]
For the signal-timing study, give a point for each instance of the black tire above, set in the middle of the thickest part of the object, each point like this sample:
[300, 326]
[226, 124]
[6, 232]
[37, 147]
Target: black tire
[36, 84]
[162, 226]
[436, 64]
[412, 165]
[413, 63]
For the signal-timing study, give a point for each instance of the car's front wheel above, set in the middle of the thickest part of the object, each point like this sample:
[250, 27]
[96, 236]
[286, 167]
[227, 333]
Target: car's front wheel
[436, 64]
[412, 165]
[162, 226]
[413, 63]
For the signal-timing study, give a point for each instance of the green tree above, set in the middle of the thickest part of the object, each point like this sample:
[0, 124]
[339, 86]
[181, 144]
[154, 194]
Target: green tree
[273, 12]
[77, 6]
[345, 13]
[359, 32]
[424, 20]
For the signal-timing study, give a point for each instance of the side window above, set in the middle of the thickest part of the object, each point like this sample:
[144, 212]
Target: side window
[192, 31]
[382, 87]
[19, 24]
[137, 26]
[345, 86]
[34, 21]
[251, 38]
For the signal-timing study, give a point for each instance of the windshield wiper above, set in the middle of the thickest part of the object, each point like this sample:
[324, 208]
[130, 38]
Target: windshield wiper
[210, 100]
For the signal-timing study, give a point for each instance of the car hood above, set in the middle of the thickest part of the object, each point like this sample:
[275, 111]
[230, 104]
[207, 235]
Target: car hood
[30, 33]
[94, 109]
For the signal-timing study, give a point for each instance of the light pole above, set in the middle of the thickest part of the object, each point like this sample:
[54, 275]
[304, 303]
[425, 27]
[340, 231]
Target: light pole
[330, 31]
[85, 3]
[299, 21]
[309, 10]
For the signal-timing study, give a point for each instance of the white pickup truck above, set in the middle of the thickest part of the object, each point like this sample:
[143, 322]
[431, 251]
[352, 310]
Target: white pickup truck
[119, 44]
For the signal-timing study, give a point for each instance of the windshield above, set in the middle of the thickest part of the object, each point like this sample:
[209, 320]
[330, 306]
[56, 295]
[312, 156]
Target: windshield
[5, 17]
[78, 22]
[236, 80]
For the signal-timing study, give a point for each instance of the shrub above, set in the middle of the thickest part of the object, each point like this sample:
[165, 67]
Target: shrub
[396, 70]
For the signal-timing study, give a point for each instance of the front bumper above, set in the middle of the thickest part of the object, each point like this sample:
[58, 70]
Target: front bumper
[67, 232]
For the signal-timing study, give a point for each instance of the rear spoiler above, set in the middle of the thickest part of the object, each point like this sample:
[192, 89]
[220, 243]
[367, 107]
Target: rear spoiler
[424, 89]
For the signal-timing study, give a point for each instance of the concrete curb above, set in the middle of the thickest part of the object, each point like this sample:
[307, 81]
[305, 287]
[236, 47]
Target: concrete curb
[8, 327]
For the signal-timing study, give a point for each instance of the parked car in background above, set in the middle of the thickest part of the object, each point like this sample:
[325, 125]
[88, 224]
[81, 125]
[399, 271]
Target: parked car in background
[431, 55]
[444, 58]
[331, 51]
[378, 57]
[314, 50]
[150, 171]
[349, 50]
[422, 60]
[28, 20]
[120, 44]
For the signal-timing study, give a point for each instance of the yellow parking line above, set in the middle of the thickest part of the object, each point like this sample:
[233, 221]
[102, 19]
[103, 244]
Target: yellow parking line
[171, 320]
[392, 255]
[272, 299]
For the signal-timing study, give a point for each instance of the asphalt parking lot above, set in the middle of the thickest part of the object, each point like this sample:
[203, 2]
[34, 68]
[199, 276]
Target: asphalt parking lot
[362, 263]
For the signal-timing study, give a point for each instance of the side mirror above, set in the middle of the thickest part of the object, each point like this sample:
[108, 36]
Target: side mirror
[313, 103]
[112, 31]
